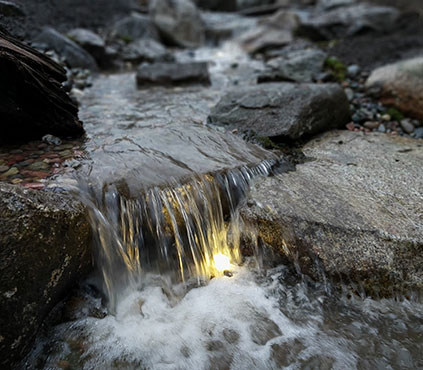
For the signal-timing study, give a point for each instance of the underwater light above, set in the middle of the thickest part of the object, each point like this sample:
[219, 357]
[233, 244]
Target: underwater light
[221, 262]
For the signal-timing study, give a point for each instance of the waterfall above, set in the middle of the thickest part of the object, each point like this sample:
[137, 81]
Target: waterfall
[186, 231]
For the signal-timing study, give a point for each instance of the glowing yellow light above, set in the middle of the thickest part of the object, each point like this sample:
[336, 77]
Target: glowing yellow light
[221, 262]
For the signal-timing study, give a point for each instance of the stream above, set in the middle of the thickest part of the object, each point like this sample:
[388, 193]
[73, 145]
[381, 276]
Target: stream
[172, 289]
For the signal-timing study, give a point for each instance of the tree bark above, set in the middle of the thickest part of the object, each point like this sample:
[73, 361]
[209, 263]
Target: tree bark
[33, 102]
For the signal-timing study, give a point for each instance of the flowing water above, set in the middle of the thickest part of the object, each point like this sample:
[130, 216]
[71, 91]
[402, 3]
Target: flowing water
[173, 290]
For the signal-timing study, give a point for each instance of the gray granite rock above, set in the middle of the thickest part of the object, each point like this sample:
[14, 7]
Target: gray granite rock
[146, 50]
[353, 211]
[283, 110]
[135, 26]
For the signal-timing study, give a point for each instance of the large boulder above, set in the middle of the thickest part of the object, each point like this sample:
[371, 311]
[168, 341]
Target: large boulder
[75, 56]
[178, 21]
[135, 26]
[32, 100]
[170, 74]
[352, 212]
[44, 250]
[400, 85]
[348, 20]
[282, 110]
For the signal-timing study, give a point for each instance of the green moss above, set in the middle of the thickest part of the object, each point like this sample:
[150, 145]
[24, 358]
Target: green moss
[338, 68]
[266, 142]
[395, 114]
[126, 39]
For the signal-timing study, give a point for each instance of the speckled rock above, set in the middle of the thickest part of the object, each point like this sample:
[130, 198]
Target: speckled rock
[44, 249]
[400, 85]
[353, 211]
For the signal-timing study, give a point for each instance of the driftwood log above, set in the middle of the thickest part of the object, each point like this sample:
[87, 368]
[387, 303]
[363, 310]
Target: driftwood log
[32, 100]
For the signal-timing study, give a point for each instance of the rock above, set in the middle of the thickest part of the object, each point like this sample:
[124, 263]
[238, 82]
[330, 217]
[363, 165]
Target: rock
[135, 26]
[75, 56]
[169, 74]
[418, 133]
[44, 239]
[93, 44]
[282, 110]
[381, 128]
[50, 139]
[9, 9]
[282, 19]
[298, 65]
[271, 32]
[243, 4]
[353, 70]
[348, 20]
[407, 126]
[349, 92]
[261, 38]
[32, 100]
[400, 85]
[347, 212]
[146, 50]
[371, 124]
[11, 172]
[178, 21]
[3, 168]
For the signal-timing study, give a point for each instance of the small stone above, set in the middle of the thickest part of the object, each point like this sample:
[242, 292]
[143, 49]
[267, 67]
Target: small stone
[350, 93]
[12, 171]
[381, 128]
[34, 185]
[371, 124]
[50, 139]
[350, 126]
[353, 70]
[407, 126]
[16, 181]
[37, 166]
[4, 168]
[16, 151]
[386, 117]
[66, 153]
[418, 133]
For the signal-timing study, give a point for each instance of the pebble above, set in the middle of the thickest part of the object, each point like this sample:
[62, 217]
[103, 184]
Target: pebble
[371, 124]
[353, 70]
[12, 171]
[66, 153]
[381, 128]
[350, 94]
[386, 117]
[4, 168]
[37, 166]
[407, 126]
[34, 185]
[50, 139]
[16, 181]
[16, 151]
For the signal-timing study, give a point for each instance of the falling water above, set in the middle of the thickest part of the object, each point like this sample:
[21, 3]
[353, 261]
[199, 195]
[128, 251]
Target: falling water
[182, 231]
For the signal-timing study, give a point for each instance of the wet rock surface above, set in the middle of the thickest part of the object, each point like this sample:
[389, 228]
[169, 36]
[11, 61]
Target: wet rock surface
[346, 214]
[44, 239]
[282, 110]
[135, 26]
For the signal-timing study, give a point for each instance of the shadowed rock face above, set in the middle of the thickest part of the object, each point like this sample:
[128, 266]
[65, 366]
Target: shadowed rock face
[354, 210]
[44, 239]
